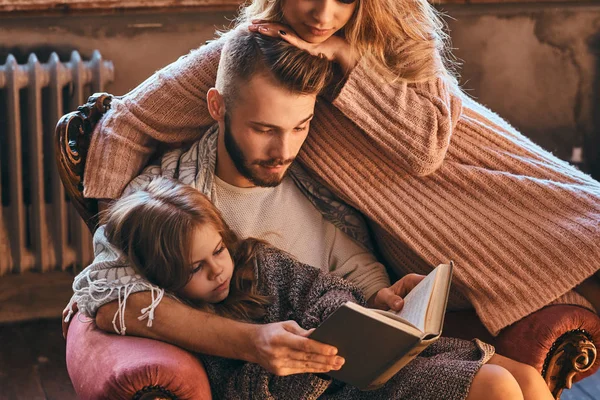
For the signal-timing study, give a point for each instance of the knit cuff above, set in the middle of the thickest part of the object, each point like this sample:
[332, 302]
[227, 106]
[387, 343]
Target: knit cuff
[354, 90]
[112, 162]
[375, 287]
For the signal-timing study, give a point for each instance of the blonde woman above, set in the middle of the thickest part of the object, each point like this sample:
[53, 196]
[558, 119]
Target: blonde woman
[439, 176]
[177, 239]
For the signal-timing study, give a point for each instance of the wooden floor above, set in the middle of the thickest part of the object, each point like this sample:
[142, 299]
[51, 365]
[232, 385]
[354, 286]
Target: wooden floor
[32, 365]
[32, 362]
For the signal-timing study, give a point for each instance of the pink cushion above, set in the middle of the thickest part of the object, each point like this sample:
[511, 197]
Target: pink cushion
[545, 327]
[103, 365]
[529, 339]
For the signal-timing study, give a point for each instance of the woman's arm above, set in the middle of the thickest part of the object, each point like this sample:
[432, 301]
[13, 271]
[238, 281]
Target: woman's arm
[168, 107]
[410, 125]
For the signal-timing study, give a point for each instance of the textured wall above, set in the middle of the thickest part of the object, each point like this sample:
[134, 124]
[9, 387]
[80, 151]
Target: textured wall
[137, 43]
[536, 65]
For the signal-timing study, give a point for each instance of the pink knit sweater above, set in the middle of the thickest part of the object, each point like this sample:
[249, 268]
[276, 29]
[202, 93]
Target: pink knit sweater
[439, 176]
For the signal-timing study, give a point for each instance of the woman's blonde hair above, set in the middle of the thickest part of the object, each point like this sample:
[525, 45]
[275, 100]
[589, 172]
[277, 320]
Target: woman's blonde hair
[154, 228]
[405, 38]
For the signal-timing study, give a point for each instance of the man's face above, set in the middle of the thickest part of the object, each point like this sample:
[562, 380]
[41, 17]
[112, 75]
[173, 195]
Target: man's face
[264, 130]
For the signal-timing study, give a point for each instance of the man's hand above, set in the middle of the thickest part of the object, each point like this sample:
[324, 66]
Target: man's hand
[283, 348]
[65, 325]
[392, 297]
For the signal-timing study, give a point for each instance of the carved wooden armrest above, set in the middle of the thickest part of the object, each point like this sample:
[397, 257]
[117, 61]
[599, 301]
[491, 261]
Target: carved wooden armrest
[154, 392]
[573, 353]
[72, 141]
[558, 341]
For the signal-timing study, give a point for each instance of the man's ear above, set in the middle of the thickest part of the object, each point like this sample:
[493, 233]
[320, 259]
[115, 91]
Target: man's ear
[216, 104]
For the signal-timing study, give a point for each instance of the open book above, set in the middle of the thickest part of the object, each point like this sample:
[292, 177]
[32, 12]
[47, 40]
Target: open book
[375, 343]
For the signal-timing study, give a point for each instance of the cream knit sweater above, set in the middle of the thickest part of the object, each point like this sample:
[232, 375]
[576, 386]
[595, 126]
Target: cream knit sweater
[439, 176]
[286, 218]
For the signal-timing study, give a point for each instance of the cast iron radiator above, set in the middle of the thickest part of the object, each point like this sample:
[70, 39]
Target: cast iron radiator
[39, 230]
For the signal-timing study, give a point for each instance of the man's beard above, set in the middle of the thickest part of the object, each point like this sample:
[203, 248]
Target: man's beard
[244, 167]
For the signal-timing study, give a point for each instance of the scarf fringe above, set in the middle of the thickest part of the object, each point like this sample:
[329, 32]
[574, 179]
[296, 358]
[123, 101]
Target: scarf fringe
[106, 289]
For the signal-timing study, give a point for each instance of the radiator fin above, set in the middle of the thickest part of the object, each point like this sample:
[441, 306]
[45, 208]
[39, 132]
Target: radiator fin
[41, 231]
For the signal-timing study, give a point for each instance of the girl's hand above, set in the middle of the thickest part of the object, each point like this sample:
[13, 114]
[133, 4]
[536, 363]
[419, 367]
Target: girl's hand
[283, 348]
[335, 48]
[392, 297]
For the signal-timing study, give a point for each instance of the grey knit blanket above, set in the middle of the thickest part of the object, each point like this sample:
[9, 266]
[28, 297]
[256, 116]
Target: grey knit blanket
[302, 293]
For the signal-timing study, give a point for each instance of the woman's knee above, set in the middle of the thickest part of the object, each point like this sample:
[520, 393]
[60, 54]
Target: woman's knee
[493, 382]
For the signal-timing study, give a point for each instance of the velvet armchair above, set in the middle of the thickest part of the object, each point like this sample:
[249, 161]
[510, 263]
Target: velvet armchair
[560, 341]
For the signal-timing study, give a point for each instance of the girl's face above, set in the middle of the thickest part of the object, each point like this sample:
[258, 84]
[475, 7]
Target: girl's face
[211, 265]
[315, 21]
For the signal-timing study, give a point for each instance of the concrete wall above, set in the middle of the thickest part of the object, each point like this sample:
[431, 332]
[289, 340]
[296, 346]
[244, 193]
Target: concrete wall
[137, 43]
[537, 65]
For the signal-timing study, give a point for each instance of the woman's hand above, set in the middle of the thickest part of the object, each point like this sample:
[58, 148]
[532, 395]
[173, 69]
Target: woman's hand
[335, 48]
[283, 348]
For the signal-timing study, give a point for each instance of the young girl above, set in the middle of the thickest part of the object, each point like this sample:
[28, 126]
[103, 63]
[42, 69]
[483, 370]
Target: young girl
[177, 239]
[439, 176]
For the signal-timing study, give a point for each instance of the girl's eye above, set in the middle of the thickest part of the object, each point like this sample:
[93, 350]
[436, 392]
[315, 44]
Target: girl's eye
[220, 250]
[346, 1]
[197, 268]
[301, 129]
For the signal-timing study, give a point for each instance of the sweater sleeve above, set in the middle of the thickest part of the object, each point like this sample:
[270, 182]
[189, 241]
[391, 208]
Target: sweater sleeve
[303, 293]
[169, 107]
[110, 278]
[409, 124]
[350, 261]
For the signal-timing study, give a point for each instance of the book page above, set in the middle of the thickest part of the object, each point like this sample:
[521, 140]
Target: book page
[417, 301]
[439, 300]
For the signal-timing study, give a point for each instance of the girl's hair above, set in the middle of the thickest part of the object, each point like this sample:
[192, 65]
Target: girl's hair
[405, 38]
[154, 228]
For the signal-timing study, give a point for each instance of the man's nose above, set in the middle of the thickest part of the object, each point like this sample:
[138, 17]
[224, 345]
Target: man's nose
[284, 148]
[323, 12]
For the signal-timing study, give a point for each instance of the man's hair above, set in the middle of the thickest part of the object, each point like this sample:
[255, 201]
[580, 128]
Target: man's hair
[246, 54]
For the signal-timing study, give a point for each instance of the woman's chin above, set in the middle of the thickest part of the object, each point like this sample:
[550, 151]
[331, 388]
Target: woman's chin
[314, 39]
[308, 36]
